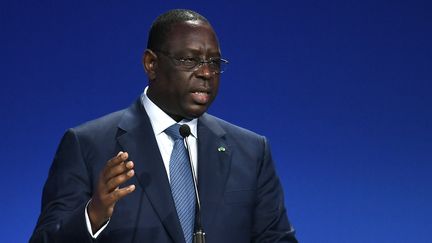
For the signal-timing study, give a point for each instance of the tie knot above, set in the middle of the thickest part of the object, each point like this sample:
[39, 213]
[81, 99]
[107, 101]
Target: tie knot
[173, 132]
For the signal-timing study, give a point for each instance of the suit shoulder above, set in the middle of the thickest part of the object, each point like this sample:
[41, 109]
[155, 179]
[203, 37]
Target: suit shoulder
[233, 129]
[101, 124]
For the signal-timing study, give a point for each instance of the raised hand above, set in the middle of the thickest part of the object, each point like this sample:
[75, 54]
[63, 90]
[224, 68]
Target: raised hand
[116, 172]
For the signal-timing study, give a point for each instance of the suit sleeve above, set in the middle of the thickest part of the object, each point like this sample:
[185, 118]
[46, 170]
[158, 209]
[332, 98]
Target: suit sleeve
[270, 219]
[66, 192]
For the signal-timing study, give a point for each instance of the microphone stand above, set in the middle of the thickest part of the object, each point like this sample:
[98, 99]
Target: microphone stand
[199, 234]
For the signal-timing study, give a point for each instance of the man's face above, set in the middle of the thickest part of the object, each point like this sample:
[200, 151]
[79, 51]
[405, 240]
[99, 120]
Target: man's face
[185, 94]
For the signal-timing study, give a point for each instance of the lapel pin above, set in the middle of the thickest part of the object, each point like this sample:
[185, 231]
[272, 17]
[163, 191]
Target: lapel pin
[221, 149]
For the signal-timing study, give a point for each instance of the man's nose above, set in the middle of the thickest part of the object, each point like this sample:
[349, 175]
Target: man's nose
[204, 70]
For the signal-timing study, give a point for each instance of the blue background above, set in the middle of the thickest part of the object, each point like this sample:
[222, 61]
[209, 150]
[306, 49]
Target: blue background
[341, 88]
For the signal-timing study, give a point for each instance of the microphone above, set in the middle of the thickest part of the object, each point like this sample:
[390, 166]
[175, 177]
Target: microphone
[199, 234]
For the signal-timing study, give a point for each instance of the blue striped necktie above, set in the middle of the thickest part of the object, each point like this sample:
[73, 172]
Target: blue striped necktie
[182, 187]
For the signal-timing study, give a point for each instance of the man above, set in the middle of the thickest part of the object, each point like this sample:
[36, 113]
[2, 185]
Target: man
[115, 179]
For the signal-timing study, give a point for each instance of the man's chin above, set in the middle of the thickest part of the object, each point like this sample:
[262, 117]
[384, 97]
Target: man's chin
[195, 113]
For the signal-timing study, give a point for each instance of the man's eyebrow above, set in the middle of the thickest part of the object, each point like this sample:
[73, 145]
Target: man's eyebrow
[199, 51]
[199, 54]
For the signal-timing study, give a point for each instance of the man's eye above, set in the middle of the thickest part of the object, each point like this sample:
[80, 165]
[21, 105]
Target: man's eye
[188, 61]
[215, 61]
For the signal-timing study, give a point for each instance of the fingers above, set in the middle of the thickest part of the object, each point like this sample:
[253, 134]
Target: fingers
[120, 157]
[118, 169]
[116, 181]
[119, 193]
[117, 172]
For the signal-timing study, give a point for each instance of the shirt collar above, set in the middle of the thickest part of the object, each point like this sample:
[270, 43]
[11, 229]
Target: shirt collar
[160, 120]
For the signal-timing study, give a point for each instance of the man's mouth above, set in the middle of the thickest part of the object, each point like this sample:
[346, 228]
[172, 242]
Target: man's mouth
[201, 97]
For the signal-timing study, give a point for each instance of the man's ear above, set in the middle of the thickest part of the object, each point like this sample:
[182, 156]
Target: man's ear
[149, 62]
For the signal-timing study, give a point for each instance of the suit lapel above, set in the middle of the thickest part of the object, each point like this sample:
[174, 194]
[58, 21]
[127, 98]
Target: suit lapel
[136, 137]
[214, 155]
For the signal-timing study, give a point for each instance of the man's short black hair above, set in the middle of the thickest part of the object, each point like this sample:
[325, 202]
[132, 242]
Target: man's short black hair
[164, 22]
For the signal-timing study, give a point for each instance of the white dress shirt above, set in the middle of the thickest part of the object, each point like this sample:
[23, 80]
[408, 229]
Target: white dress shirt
[160, 121]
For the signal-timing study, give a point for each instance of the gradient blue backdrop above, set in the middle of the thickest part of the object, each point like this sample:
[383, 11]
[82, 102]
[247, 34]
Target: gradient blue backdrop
[341, 88]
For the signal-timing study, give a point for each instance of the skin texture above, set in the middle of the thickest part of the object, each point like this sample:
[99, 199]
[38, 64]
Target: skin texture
[181, 94]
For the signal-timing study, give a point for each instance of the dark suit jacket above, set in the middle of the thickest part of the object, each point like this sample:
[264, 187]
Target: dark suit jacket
[241, 196]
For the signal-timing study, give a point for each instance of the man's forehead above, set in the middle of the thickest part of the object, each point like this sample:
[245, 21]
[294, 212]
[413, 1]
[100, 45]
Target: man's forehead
[190, 25]
[192, 32]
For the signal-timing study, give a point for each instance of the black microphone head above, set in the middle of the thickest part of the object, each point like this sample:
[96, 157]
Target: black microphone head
[184, 130]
